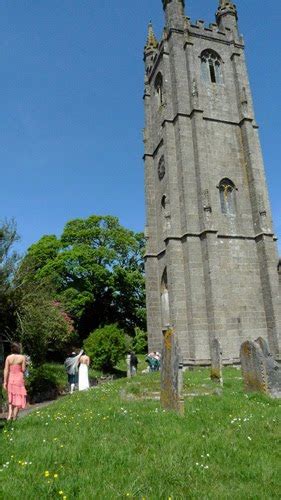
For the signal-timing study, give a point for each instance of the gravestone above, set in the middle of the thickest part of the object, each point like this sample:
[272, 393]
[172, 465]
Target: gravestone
[171, 373]
[128, 363]
[180, 376]
[216, 361]
[273, 370]
[253, 367]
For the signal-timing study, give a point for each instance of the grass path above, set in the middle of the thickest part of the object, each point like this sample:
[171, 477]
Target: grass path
[99, 445]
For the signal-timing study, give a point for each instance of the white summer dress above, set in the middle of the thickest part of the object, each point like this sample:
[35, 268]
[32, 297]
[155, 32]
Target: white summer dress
[83, 377]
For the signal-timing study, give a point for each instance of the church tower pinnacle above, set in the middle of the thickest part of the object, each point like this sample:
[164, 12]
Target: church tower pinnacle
[227, 16]
[151, 48]
[174, 13]
[151, 42]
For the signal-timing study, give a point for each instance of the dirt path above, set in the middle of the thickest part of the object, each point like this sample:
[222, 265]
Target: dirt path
[30, 408]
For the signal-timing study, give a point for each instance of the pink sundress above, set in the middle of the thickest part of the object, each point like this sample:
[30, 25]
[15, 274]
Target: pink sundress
[16, 388]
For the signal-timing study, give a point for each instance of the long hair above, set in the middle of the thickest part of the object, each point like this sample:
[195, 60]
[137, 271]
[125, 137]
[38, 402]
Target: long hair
[15, 348]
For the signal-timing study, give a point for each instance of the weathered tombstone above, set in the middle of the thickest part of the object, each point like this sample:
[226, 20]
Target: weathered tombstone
[273, 370]
[171, 370]
[216, 361]
[253, 367]
[128, 362]
[180, 387]
[180, 376]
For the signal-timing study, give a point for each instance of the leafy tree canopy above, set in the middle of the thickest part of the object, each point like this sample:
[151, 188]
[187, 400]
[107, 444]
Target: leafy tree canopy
[8, 260]
[95, 270]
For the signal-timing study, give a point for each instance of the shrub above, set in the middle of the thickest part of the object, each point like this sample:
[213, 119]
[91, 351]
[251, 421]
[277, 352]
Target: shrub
[42, 384]
[140, 341]
[106, 346]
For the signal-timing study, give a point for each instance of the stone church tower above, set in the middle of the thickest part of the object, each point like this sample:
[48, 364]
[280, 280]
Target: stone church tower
[211, 256]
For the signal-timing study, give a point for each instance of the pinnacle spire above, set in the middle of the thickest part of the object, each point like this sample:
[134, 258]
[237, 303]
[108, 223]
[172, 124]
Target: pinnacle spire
[224, 3]
[227, 15]
[151, 41]
[174, 13]
[165, 2]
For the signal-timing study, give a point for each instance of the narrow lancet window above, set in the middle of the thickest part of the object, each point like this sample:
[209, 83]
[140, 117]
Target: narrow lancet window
[159, 88]
[227, 197]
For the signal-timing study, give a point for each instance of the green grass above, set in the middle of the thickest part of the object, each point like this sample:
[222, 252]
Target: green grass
[104, 447]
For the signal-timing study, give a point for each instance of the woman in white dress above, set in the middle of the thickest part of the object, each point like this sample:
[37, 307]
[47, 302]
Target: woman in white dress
[83, 376]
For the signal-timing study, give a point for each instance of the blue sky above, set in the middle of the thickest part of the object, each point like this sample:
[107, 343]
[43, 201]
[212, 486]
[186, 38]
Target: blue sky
[72, 111]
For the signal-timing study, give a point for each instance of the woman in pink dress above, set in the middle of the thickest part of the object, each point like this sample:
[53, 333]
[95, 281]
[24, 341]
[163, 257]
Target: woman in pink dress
[14, 381]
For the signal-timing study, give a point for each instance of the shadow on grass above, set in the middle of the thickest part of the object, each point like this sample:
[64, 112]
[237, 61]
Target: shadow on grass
[117, 373]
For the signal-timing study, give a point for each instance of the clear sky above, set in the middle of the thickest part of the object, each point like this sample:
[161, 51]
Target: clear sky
[72, 110]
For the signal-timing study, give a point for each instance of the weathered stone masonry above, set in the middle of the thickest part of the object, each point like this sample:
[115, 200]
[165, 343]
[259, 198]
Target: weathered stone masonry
[211, 257]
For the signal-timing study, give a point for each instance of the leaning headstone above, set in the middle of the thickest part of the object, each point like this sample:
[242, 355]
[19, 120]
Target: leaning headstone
[216, 361]
[253, 367]
[171, 378]
[273, 370]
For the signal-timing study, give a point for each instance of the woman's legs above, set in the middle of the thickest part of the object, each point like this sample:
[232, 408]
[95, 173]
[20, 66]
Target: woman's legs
[15, 412]
[10, 412]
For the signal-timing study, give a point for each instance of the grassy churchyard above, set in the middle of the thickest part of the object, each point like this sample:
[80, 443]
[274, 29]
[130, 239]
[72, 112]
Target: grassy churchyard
[115, 442]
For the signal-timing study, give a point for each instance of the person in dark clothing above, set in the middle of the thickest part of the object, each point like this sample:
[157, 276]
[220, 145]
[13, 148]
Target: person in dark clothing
[133, 363]
[71, 365]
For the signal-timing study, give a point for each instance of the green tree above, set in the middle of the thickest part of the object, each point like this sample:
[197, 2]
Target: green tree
[8, 261]
[140, 341]
[43, 325]
[95, 270]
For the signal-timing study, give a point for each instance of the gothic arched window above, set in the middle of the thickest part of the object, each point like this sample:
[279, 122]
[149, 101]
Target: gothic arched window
[227, 196]
[159, 88]
[211, 67]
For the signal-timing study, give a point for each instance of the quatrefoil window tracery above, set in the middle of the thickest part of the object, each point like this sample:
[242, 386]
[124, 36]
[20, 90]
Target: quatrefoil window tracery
[211, 67]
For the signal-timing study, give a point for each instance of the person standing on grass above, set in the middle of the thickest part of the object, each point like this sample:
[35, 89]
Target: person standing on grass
[83, 373]
[133, 363]
[14, 381]
[71, 365]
